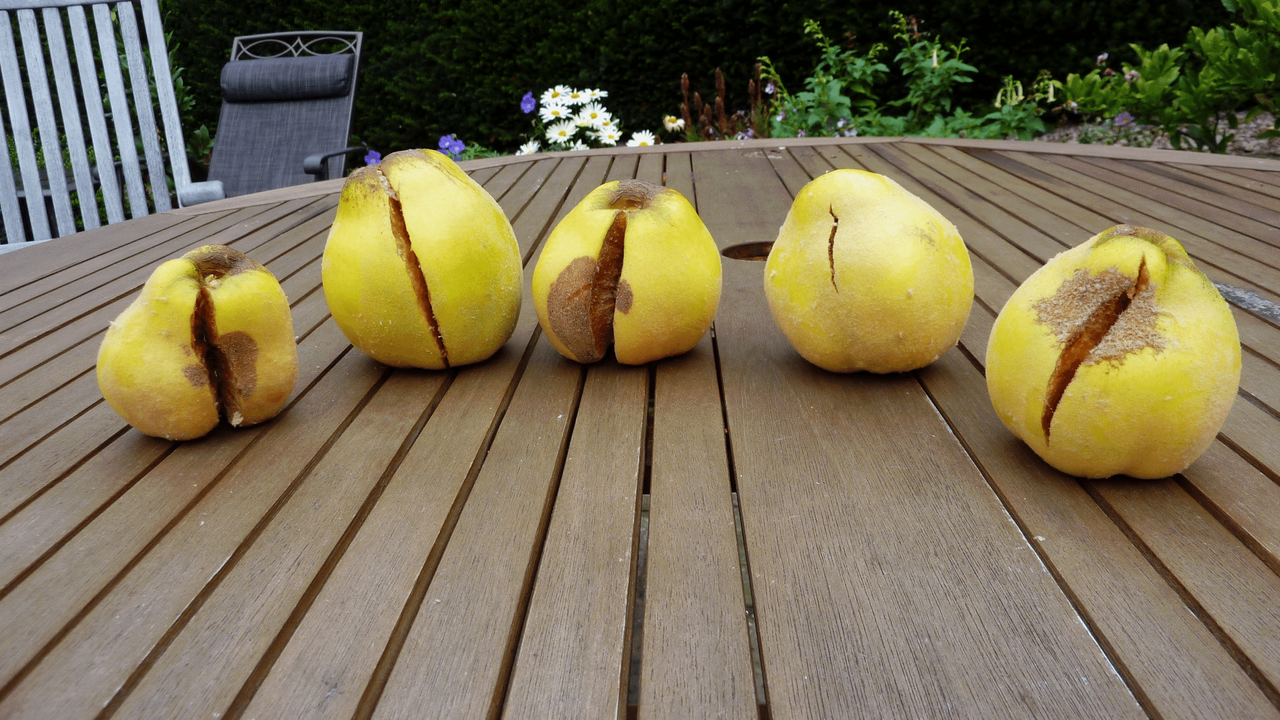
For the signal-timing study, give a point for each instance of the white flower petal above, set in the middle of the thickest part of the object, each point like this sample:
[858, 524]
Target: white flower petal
[641, 138]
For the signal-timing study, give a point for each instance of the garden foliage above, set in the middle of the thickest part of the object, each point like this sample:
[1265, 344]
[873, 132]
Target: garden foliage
[1192, 92]
[432, 68]
[840, 96]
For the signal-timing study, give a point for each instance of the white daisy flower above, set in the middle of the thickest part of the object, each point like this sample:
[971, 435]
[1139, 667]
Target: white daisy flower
[579, 145]
[607, 123]
[575, 97]
[554, 111]
[595, 94]
[529, 148]
[607, 137]
[672, 123]
[592, 115]
[641, 138]
[555, 95]
[561, 133]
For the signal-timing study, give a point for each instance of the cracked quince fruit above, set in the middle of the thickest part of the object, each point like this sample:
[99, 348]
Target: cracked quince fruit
[633, 266]
[866, 276]
[421, 268]
[210, 334]
[1117, 357]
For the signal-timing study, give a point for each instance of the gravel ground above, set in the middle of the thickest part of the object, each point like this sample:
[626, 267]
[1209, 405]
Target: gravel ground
[1245, 143]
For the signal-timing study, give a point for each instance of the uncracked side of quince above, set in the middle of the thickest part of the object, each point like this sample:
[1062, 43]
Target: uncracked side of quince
[1117, 357]
[421, 268]
[210, 334]
[633, 266]
[866, 276]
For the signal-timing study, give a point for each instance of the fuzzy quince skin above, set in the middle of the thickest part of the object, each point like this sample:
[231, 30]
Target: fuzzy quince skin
[1117, 357]
[421, 268]
[866, 276]
[632, 265]
[210, 334]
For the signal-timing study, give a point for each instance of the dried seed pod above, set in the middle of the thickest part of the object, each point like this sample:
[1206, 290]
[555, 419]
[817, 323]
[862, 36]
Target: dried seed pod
[210, 334]
[1117, 357]
[633, 266]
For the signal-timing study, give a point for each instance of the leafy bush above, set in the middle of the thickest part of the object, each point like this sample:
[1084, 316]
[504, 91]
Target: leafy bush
[844, 81]
[1194, 92]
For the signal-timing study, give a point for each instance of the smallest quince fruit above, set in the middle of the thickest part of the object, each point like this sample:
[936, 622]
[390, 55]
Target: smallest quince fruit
[211, 333]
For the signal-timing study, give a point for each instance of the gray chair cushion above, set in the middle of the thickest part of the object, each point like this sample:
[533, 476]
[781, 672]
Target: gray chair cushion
[288, 78]
[249, 157]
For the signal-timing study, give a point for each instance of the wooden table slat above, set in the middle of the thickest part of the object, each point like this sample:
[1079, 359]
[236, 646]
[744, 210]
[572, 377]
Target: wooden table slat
[1245, 197]
[1240, 225]
[573, 655]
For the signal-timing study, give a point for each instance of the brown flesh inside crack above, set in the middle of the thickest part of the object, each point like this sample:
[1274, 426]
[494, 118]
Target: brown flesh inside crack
[228, 361]
[416, 279]
[831, 246]
[1099, 318]
[581, 301]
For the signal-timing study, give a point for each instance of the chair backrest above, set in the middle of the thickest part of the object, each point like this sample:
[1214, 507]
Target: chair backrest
[284, 96]
[109, 77]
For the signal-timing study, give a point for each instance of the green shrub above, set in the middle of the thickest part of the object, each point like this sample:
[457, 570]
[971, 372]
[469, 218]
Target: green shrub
[460, 66]
[1194, 92]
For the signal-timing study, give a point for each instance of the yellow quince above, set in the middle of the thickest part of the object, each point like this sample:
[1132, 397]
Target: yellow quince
[633, 266]
[866, 276]
[211, 333]
[421, 268]
[1116, 357]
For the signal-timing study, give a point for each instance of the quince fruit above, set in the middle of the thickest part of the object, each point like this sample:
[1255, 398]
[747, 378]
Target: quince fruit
[421, 268]
[211, 332]
[1117, 357]
[866, 276]
[633, 266]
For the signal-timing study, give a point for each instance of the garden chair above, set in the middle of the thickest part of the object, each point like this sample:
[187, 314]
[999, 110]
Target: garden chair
[286, 110]
[127, 165]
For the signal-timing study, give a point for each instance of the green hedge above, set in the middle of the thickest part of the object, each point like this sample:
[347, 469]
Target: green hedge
[460, 66]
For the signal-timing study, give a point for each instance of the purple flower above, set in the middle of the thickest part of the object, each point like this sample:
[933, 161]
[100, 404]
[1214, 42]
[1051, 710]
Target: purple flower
[452, 146]
[527, 103]
[768, 89]
[372, 158]
[1123, 119]
[1132, 75]
[1102, 58]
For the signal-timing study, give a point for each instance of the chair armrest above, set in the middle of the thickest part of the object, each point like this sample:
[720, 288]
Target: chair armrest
[201, 192]
[318, 164]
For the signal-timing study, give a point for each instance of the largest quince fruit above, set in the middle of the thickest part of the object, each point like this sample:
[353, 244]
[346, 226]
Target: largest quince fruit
[1117, 357]
[866, 276]
[211, 333]
[421, 268]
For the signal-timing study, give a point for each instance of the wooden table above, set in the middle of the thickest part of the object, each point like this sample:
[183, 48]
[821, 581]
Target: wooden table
[731, 533]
